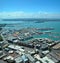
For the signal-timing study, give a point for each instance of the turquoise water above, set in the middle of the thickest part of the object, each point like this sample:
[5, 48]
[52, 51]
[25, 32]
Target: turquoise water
[32, 24]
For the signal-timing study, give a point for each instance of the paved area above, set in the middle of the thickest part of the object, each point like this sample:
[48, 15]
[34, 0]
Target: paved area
[1, 61]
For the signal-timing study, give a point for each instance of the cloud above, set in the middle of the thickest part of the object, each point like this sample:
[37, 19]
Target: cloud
[21, 14]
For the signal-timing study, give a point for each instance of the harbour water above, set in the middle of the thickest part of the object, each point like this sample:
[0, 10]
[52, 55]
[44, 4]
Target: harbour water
[33, 24]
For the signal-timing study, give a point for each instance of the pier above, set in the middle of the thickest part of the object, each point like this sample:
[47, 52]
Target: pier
[45, 29]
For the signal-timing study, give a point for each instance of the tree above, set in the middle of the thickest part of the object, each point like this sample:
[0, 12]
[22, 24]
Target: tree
[1, 39]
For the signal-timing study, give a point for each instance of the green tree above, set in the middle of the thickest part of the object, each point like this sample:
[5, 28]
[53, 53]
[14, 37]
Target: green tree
[1, 39]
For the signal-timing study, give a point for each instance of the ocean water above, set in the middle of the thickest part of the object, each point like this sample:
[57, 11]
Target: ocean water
[33, 24]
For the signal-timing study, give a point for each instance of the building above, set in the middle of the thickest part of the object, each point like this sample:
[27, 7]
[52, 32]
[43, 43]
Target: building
[2, 54]
[54, 55]
[15, 47]
[57, 46]
[3, 44]
[25, 59]
[47, 60]
[44, 46]
[31, 59]
[18, 60]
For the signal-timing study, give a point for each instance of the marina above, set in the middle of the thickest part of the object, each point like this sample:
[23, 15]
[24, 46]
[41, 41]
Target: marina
[37, 29]
[28, 44]
[29, 31]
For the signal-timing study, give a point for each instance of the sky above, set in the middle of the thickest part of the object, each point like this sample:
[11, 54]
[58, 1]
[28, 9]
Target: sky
[30, 8]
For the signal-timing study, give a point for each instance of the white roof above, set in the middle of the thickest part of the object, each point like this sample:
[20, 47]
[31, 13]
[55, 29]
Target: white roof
[37, 56]
[10, 57]
[26, 33]
[37, 61]
[14, 47]
[45, 52]
[11, 51]
[18, 59]
[15, 41]
[47, 59]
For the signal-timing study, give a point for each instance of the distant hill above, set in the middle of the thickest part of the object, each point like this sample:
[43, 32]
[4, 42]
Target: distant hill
[30, 19]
